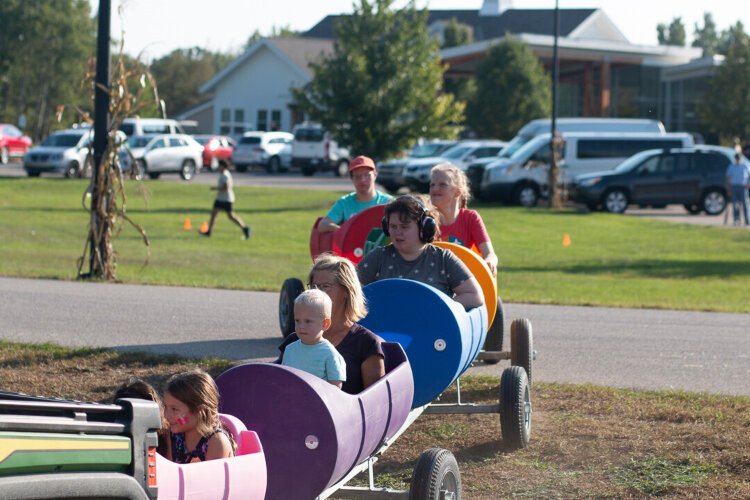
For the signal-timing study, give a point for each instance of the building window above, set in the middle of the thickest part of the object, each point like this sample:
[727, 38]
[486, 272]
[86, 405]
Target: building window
[276, 119]
[262, 119]
[236, 126]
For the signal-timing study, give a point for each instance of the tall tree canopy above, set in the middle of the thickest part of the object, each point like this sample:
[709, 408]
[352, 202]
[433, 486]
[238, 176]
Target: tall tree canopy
[674, 34]
[456, 34]
[512, 88]
[44, 48]
[381, 89]
[726, 113]
[180, 74]
[706, 37]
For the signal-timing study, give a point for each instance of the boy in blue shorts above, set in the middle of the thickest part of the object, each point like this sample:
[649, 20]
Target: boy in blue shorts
[312, 353]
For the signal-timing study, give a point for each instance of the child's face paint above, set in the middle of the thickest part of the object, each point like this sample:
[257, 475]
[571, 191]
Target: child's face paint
[177, 413]
[182, 420]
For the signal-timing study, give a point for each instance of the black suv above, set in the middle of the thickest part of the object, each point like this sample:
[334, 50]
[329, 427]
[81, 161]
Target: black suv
[693, 177]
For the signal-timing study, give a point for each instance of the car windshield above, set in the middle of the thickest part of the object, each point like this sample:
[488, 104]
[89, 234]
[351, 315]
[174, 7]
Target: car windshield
[455, 152]
[514, 145]
[62, 140]
[634, 161]
[528, 149]
[309, 134]
[427, 150]
[139, 141]
[250, 140]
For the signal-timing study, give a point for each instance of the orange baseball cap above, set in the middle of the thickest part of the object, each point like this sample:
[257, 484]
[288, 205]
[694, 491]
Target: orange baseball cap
[361, 161]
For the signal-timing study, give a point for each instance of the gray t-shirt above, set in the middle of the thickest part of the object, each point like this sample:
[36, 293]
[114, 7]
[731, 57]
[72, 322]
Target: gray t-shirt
[225, 180]
[436, 266]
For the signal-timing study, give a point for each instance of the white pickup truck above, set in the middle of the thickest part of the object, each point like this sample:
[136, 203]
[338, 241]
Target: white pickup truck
[313, 150]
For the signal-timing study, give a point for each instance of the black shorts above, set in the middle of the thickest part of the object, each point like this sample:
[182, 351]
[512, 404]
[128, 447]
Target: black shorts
[223, 205]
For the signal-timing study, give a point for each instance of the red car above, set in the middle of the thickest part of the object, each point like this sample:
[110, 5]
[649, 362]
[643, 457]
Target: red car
[215, 149]
[12, 142]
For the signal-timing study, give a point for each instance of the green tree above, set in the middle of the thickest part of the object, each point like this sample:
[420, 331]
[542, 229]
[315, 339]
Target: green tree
[181, 73]
[726, 114]
[706, 37]
[674, 34]
[731, 36]
[276, 32]
[381, 89]
[44, 48]
[512, 88]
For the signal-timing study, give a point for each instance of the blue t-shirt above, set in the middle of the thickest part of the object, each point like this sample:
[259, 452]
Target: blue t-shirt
[347, 206]
[321, 359]
[738, 174]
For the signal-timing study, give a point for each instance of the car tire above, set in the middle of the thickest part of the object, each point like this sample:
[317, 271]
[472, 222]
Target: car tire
[714, 201]
[615, 201]
[274, 165]
[4, 156]
[290, 290]
[515, 408]
[187, 172]
[307, 171]
[526, 195]
[154, 175]
[435, 476]
[240, 167]
[342, 168]
[692, 209]
[494, 340]
[72, 170]
[33, 174]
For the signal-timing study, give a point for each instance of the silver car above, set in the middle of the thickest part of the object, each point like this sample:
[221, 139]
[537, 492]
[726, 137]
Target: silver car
[169, 153]
[66, 151]
[272, 150]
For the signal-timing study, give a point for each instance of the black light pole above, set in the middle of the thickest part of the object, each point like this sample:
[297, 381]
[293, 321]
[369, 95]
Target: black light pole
[101, 114]
[554, 193]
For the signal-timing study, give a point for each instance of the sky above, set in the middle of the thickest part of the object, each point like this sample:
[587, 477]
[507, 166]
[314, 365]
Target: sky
[154, 28]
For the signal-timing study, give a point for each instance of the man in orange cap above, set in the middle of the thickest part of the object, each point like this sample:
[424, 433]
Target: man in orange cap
[363, 173]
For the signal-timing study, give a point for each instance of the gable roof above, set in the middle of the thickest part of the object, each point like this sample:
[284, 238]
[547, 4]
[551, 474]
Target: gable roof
[298, 53]
[515, 21]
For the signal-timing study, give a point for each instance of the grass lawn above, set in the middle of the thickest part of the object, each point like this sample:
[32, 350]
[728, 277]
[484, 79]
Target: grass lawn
[611, 261]
[586, 441]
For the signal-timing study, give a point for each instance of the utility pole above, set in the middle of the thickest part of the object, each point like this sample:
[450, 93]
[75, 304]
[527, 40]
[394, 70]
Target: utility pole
[555, 144]
[100, 222]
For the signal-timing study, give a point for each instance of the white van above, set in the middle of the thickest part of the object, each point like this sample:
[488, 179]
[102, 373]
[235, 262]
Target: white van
[523, 177]
[534, 128]
[144, 126]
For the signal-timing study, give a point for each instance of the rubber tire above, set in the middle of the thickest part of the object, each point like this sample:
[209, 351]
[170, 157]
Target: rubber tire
[522, 346]
[428, 480]
[708, 194]
[33, 174]
[692, 209]
[494, 340]
[618, 195]
[515, 408]
[188, 170]
[4, 156]
[290, 290]
[72, 170]
[154, 175]
[307, 171]
[342, 169]
[526, 195]
[274, 165]
[240, 168]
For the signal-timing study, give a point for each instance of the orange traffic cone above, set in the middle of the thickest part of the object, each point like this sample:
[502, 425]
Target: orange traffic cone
[204, 227]
[566, 240]
[187, 226]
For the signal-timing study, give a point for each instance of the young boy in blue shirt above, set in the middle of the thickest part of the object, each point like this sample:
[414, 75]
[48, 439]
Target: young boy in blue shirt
[312, 353]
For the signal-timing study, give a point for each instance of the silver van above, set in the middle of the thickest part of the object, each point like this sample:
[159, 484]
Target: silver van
[145, 126]
[534, 128]
[523, 177]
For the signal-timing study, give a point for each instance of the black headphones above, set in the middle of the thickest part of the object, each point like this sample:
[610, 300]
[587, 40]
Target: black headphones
[426, 224]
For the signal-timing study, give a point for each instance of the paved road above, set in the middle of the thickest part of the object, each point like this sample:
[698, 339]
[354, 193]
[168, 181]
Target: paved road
[617, 347]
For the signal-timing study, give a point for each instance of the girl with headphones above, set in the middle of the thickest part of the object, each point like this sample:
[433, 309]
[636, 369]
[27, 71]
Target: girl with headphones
[411, 255]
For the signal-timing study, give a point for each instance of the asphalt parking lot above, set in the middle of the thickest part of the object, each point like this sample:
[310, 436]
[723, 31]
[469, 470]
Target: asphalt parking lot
[327, 181]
